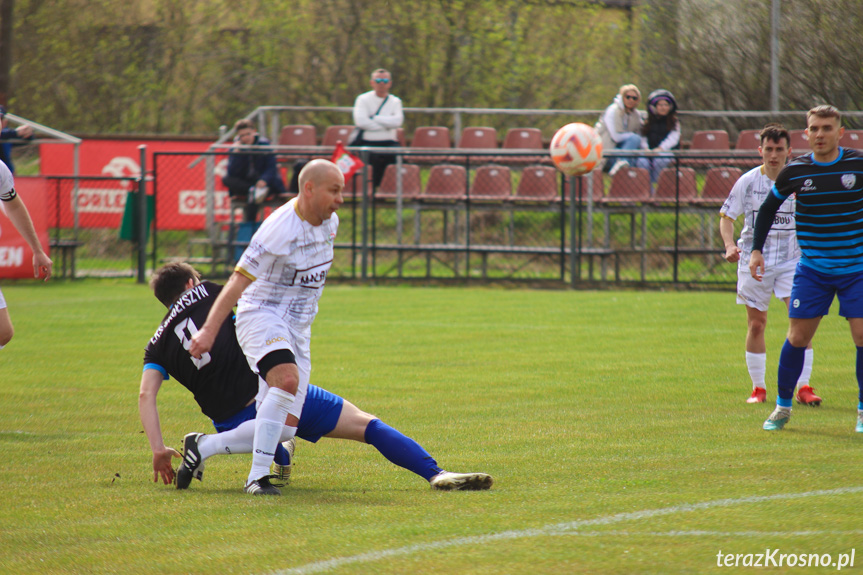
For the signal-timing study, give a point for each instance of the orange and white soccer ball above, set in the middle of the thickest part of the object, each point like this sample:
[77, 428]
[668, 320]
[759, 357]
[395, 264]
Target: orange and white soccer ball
[576, 149]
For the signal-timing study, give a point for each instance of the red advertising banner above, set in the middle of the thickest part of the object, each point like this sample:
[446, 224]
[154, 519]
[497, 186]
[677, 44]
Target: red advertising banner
[181, 201]
[16, 257]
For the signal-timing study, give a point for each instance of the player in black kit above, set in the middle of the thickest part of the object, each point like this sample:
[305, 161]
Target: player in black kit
[226, 388]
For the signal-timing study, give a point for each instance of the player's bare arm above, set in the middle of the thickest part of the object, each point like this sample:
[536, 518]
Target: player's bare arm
[151, 381]
[202, 342]
[726, 230]
[20, 217]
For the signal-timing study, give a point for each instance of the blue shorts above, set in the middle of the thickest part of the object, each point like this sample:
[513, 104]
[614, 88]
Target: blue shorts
[813, 293]
[319, 417]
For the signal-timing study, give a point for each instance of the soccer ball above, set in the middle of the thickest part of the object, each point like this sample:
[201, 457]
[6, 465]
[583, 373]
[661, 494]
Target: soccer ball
[576, 149]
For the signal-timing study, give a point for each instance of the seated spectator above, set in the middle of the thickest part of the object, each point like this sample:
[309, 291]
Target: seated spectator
[252, 177]
[620, 126]
[660, 134]
[6, 134]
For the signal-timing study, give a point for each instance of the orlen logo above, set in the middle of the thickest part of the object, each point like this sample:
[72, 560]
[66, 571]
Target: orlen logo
[123, 167]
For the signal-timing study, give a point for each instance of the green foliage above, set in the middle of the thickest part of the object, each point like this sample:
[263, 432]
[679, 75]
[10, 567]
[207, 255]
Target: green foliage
[592, 410]
[181, 67]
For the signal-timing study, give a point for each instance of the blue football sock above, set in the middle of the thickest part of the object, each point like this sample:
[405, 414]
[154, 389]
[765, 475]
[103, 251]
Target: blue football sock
[790, 367]
[401, 449]
[282, 457]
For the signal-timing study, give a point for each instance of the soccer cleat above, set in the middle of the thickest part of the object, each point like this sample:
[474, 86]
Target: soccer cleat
[193, 464]
[859, 428]
[618, 165]
[806, 396]
[448, 481]
[282, 473]
[260, 193]
[759, 395]
[777, 419]
[262, 486]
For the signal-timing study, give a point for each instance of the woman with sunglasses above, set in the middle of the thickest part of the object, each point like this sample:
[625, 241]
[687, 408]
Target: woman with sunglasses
[620, 126]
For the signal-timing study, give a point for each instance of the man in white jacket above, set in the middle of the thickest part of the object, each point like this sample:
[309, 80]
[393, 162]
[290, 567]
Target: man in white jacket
[379, 115]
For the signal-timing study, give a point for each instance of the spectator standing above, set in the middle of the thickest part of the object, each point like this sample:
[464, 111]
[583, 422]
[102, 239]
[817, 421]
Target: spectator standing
[378, 115]
[252, 175]
[660, 134]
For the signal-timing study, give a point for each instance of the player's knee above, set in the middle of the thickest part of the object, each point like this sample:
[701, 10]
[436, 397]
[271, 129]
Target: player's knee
[757, 327]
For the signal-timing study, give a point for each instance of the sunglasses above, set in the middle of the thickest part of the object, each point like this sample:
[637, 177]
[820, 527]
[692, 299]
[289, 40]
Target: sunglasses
[629, 97]
[382, 80]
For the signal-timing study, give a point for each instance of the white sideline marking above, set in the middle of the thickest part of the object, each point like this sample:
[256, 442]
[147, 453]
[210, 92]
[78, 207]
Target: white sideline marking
[700, 533]
[557, 529]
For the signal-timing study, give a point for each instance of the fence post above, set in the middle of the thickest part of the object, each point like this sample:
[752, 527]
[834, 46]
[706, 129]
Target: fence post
[142, 216]
[364, 219]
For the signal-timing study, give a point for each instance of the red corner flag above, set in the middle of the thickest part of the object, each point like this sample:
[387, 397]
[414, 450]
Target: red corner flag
[348, 163]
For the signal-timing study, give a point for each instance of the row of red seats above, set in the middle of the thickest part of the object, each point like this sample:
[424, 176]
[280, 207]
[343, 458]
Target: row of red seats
[537, 183]
[750, 140]
[531, 138]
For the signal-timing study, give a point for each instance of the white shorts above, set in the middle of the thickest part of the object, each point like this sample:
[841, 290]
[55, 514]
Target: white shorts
[262, 332]
[756, 294]
[2, 301]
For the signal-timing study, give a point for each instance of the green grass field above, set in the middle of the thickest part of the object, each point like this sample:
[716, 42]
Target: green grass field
[614, 424]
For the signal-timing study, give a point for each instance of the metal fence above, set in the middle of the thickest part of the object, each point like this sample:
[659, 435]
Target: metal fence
[90, 232]
[478, 215]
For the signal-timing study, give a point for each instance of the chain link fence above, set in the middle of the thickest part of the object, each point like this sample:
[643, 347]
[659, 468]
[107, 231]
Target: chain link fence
[478, 215]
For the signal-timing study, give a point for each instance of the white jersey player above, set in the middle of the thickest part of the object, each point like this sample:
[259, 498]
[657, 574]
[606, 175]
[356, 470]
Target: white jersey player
[781, 253]
[284, 269]
[12, 206]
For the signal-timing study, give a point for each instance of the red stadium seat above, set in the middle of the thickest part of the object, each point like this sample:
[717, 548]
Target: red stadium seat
[446, 183]
[748, 140]
[491, 183]
[411, 184]
[675, 186]
[298, 135]
[710, 140]
[430, 137]
[335, 133]
[521, 139]
[476, 139]
[852, 139]
[799, 142]
[718, 184]
[537, 184]
[629, 186]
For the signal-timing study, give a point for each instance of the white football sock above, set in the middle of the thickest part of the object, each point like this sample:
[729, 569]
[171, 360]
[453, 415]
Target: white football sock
[757, 365]
[237, 440]
[269, 430]
[807, 368]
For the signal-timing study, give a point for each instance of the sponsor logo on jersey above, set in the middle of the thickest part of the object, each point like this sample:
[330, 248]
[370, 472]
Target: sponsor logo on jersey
[808, 185]
[313, 277]
[274, 340]
[848, 180]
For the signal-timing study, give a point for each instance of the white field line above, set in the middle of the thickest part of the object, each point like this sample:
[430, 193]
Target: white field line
[558, 529]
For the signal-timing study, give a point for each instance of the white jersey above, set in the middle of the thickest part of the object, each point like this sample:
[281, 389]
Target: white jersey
[7, 184]
[288, 259]
[746, 198]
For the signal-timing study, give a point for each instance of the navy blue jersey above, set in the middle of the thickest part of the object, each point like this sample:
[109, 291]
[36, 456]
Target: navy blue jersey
[221, 380]
[829, 211]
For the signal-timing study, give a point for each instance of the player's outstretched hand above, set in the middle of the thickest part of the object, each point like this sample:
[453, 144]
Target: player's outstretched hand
[42, 266]
[732, 254]
[756, 265]
[202, 342]
[162, 465]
